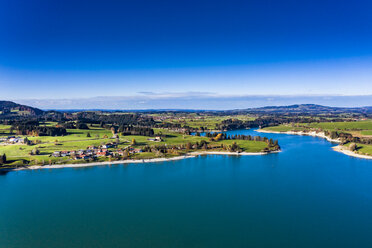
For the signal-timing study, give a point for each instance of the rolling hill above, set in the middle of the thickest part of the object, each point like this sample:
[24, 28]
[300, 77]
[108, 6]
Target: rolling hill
[8, 108]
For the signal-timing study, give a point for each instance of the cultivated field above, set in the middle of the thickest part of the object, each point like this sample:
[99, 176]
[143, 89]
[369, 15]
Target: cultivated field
[344, 126]
[361, 127]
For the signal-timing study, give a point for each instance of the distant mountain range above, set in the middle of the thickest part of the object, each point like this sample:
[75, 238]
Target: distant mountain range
[307, 108]
[8, 108]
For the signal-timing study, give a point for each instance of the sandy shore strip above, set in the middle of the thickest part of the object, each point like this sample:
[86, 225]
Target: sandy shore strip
[350, 153]
[230, 153]
[312, 133]
[137, 161]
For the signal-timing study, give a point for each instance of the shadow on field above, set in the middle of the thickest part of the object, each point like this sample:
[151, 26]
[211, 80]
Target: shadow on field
[170, 136]
[140, 144]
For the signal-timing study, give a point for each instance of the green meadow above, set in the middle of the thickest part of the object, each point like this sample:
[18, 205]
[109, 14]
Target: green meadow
[365, 149]
[365, 127]
[345, 126]
[209, 122]
[362, 149]
[366, 132]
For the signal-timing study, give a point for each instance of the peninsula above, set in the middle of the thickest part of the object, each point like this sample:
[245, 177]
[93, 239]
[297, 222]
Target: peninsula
[31, 137]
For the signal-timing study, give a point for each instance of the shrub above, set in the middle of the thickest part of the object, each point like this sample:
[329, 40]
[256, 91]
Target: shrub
[353, 146]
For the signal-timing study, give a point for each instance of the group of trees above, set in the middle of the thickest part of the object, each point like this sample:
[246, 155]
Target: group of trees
[35, 130]
[335, 135]
[73, 125]
[136, 130]
[224, 136]
[347, 137]
[2, 159]
[113, 119]
[233, 124]
[366, 141]
[170, 125]
[273, 145]
[81, 125]
[68, 125]
[272, 120]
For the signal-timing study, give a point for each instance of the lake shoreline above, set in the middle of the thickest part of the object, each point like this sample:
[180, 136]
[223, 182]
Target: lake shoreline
[345, 151]
[338, 148]
[312, 133]
[140, 161]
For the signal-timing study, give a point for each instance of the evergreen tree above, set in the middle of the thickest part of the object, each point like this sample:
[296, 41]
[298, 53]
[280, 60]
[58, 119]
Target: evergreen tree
[35, 151]
[2, 159]
[27, 141]
[188, 146]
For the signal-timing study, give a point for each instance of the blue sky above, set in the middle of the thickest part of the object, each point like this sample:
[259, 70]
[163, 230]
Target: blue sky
[86, 49]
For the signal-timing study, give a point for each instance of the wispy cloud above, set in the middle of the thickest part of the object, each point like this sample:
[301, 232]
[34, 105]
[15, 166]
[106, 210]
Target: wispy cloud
[175, 94]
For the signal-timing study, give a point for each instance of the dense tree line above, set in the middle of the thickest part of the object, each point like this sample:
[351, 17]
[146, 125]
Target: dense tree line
[81, 125]
[114, 119]
[73, 125]
[233, 124]
[347, 137]
[274, 120]
[34, 130]
[68, 125]
[224, 136]
[169, 125]
[136, 130]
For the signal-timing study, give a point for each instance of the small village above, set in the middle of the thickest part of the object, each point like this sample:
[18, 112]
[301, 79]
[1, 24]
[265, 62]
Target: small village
[11, 140]
[93, 152]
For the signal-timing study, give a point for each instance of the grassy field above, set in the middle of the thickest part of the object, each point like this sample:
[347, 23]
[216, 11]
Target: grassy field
[172, 138]
[77, 139]
[345, 126]
[362, 149]
[359, 127]
[282, 128]
[366, 132]
[365, 149]
[208, 122]
[4, 130]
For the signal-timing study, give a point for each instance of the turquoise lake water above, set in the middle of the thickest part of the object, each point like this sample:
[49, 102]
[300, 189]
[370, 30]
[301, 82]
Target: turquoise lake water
[306, 196]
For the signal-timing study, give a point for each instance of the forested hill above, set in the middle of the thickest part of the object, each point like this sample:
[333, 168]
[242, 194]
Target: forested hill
[8, 108]
[305, 109]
